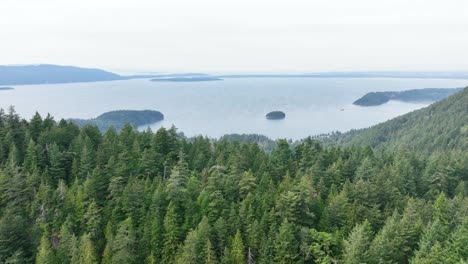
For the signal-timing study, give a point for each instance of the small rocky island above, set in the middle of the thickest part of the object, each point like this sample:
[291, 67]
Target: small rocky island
[6, 88]
[188, 79]
[276, 115]
[118, 119]
[410, 96]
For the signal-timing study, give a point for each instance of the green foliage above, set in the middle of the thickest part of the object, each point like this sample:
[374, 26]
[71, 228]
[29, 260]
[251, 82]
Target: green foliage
[86, 251]
[286, 245]
[438, 127]
[123, 245]
[237, 252]
[356, 246]
[45, 255]
[75, 195]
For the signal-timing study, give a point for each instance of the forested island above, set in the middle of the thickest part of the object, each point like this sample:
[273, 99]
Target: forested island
[416, 95]
[118, 119]
[275, 115]
[6, 88]
[77, 195]
[187, 79]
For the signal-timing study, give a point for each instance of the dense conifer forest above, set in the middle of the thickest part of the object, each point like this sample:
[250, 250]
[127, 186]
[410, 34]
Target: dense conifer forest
[77, 195]
[442, 126]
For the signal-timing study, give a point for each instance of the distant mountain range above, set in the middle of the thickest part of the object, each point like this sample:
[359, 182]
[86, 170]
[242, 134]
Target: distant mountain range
[6, 88]
[363, 74]
[49, 74]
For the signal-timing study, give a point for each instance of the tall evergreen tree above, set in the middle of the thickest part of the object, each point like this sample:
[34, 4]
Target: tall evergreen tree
[356, 246]
[87, 253]
[286, 245]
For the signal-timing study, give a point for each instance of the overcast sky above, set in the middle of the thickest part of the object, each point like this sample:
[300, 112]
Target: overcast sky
[237, 35]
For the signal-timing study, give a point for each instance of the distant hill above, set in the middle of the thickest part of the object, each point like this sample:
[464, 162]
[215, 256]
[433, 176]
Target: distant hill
[51, 74]
[174, 75]
[187, 79]
[118, 119]
[47, 73]
[416, 95]
[363, 74]
[440, 126]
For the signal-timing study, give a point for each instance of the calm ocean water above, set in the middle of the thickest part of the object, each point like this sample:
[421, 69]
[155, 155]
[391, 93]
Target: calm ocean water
[312, 106]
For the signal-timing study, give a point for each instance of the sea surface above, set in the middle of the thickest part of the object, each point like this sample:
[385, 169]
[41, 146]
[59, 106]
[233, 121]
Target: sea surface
[238, 105]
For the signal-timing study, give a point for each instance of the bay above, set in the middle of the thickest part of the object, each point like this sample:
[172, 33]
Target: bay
[234, 105]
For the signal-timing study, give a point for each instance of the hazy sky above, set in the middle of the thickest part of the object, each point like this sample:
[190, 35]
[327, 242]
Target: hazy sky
[237, 35]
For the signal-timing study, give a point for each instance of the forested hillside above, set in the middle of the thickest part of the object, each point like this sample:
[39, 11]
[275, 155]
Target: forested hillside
[411, 96]
[70, 195]
[440, 126]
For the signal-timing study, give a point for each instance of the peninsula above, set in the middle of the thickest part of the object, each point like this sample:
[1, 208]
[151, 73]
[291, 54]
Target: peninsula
[412, 96]
[118, 119]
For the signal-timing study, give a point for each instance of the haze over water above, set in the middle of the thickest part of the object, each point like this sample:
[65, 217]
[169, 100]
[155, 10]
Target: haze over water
[312, 105]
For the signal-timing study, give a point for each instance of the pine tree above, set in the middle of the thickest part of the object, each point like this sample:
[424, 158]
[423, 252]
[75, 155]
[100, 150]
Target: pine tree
[247, 184]
[56, 168]
[357, 245]
[177, 182]
[35, 126]
[237, 252]
[13, 235]
[31, 160]
[336, 213]
[435, 233]
[458, 243]
[13, 189]
[188, 252]
[221, 234]
[437, 254]
[92, 219]
[45, 255]
[67, 243]
[172, 233]
[286, 245]
[107, 253]
[210, 254]
[86, 251]
[366, 170]
[156, 227]
[123, 244]
[74, 250]
[87, 159]
[441, 210]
